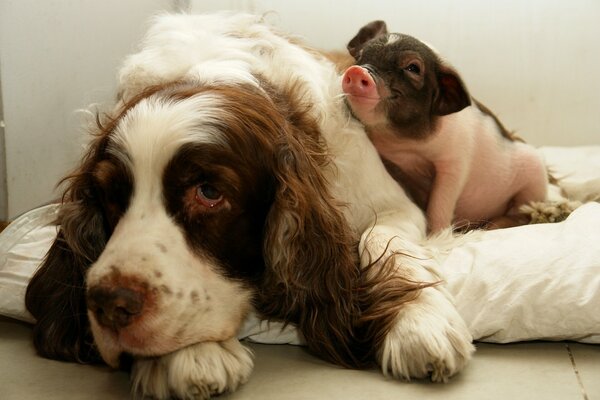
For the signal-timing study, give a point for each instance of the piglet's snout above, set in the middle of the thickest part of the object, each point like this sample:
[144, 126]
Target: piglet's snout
[115, 307]
[357, 81]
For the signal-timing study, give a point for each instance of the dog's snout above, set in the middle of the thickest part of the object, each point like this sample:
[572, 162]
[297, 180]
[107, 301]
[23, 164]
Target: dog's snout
[115, 307]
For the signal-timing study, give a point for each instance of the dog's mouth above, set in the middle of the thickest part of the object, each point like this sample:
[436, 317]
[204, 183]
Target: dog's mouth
[132, 341]
[126, 361]
[118, 355]
[145, 339]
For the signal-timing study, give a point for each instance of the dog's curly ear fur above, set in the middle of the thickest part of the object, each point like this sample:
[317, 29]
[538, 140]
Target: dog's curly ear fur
[312, 258]
[56, 294]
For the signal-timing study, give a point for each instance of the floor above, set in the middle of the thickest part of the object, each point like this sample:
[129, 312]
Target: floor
[540, 370]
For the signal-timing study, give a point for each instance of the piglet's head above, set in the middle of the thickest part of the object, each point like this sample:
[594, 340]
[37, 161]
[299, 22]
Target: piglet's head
[399, 83]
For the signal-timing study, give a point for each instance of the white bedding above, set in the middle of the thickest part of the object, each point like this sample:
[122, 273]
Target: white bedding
[525, 283]
[535, 282]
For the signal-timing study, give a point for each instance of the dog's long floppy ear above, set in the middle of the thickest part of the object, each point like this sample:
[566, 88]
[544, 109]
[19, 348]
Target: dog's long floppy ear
[311, 257]
[368, 32]
[56, 294]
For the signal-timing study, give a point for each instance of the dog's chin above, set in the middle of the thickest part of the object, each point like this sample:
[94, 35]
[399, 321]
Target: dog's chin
[109, 349]
[126, 361]
[114, 346]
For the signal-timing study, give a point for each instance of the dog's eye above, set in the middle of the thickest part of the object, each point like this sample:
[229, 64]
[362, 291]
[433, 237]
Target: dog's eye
[208, 195]
[414, 68]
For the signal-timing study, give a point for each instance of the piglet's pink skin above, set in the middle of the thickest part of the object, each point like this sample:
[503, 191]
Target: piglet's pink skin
[469, 170]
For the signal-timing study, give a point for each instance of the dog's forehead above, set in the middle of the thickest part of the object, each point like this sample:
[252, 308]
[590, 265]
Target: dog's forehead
[153, 130]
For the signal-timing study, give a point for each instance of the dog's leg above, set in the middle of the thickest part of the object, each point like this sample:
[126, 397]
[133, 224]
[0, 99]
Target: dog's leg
[428, 338]
[195, 372]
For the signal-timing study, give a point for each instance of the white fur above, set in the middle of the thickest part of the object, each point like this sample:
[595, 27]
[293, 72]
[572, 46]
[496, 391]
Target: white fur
[195, 372]
[429, 336]
[393, 38]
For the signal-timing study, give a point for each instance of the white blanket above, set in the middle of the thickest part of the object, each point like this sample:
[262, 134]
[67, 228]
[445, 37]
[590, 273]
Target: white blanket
[525, 283]
[532, 282]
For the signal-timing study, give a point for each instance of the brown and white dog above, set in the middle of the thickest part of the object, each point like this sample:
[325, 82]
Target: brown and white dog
[229, 178]
[462, 165]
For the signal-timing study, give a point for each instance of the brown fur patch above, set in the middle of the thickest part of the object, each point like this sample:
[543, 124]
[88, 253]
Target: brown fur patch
[194, 296]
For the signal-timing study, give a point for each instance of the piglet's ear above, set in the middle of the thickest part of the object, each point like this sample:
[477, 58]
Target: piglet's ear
[368, 32]
[453, 95]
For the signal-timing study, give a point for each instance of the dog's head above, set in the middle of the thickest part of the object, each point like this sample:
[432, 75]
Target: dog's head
[192, 205]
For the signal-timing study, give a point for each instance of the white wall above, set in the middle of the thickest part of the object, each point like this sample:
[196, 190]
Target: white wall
[57, 56]
[3, 193]
[534, 62]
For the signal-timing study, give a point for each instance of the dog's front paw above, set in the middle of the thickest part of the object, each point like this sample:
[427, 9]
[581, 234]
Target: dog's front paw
[195, 372]
[429, 339]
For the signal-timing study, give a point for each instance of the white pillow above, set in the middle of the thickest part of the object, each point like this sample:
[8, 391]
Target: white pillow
[23, 245]
[531, 282]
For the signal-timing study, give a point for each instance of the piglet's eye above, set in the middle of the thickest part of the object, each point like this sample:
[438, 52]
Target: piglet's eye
[208, 195]
[414, 68]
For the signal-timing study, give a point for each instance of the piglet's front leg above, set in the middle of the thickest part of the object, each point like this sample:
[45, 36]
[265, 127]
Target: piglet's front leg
[450, 179]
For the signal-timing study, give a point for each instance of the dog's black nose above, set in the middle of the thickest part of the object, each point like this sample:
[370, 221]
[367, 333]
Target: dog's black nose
[114, 307]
